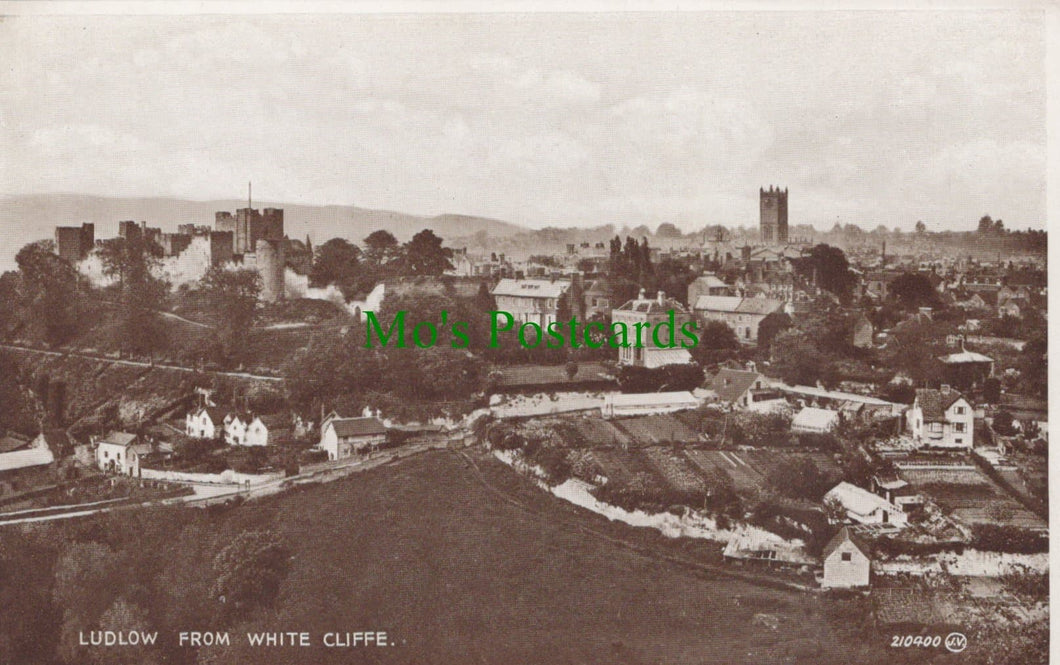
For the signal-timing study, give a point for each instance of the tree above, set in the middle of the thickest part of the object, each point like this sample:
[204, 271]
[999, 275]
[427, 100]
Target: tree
[1004, 423]
[992, 390]
[337, 262]
[771, 326]
[986, 225]
[249, 572]
[667, 230]
[424, 254]
[913, 290]
[381, 248]
[571, 368]
[1034, 367]
[141, 294]
[829, 266]
[717, 341]
[233, 294]
[921, 227]
[799, 362]
[49, 291]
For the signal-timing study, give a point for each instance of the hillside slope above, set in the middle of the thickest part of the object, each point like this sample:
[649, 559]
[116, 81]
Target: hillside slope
[27, 218]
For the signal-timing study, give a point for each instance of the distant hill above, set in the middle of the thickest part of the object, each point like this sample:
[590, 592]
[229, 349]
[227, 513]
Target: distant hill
[24, 219]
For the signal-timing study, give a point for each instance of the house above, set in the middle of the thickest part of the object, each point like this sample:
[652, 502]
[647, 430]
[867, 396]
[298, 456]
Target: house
[540, 301]
[266, 430]
[941, 418]
[847, 563]
[744, 389]
[342, 437]
[235, 428]
[204, 423]
[598, 299]
[813, 419]
[656, 312]
[708, 284]
[741, 314]
[121, 452]
[862, 506]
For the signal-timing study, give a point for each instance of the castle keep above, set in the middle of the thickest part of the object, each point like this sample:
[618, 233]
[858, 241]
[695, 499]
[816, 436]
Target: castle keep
[773, 215]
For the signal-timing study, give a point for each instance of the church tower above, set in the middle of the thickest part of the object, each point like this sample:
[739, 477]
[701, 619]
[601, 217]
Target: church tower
[773, 215]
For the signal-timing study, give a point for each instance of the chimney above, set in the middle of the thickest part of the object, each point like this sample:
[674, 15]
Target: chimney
[960, 340]
[945, 389]
[751, 366]
[640, 295]
[661, 297]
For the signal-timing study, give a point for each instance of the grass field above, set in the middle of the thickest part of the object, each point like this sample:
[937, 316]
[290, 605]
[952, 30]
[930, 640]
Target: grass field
[466, 566]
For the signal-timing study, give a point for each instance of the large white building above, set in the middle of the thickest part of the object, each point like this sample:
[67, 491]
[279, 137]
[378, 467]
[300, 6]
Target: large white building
[538, 301]
[741, 314]
[941, 418]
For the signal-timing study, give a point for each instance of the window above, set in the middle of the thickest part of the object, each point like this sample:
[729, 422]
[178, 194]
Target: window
[959, 410]
[958, 440]
[846, 556]
[958, 427]
[936, 427]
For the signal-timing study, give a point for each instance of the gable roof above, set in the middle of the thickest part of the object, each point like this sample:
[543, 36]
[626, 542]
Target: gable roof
[275, 421]
[736, 304]
[934, 403]
[731, 384]
[844, 536]
[857, 500]
[812, 417]
[215, 413]
[116, 438]
[347, 427]
[531, 288]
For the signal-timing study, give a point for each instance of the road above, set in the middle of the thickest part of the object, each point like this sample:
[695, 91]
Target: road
[139, 363]
[207, 494]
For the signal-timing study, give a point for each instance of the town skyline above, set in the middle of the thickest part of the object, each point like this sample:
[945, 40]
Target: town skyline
[669, 118]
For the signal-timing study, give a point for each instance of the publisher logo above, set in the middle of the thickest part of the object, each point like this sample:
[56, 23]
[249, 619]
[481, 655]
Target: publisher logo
[956, 642]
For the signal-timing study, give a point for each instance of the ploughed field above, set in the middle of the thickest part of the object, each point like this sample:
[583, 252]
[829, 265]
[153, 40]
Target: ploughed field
[463, 562]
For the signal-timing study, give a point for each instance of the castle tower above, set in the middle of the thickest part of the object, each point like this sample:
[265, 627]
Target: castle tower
[270, 264]
[773, 215]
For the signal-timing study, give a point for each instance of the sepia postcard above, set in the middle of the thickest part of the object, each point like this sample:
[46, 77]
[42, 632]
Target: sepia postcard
[450, 333]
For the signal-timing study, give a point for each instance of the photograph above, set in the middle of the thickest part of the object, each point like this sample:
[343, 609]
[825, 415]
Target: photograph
[448, 333]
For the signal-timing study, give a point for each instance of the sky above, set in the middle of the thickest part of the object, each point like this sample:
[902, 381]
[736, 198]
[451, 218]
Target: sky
[540, 119]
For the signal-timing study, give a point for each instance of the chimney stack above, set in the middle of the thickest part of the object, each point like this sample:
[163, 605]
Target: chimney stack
[661, 296]
[640, 295]
[945, 389]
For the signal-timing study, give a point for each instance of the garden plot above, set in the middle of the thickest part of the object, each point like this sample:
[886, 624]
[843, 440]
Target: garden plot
[970, 496]
[730, 464]
[599, 432]
[651, 430]
[678, 472]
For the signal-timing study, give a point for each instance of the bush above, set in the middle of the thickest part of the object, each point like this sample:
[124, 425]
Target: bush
[1005, 538]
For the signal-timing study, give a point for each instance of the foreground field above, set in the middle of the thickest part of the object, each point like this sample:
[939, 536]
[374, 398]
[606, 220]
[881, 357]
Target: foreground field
[462, 567]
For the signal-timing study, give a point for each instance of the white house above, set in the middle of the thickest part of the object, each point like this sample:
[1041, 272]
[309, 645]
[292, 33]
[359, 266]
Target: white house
[265, 430]
[864, 507]
[636, 404]
[204, 423]
[813, 419]
[342, 437]
[121, 452]
[235, 426]
[846, 562]
[745, 389]
[942, 418]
